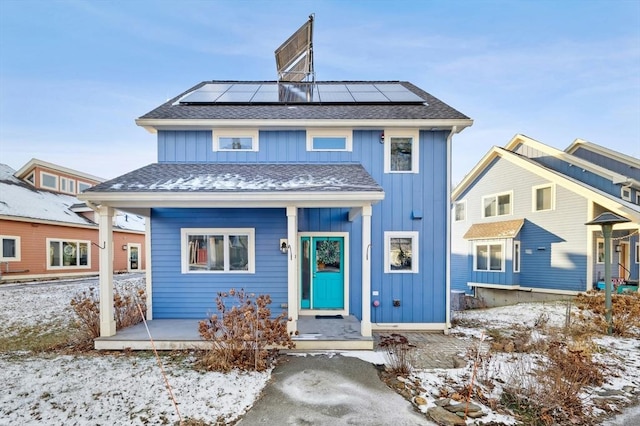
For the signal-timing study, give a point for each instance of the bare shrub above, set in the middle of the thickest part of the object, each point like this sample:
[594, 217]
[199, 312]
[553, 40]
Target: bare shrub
[625, 307]
[244, 336]
[86, 307]
[398, 351]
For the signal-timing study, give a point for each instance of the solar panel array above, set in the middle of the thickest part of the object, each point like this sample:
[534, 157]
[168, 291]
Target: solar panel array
[321, 93]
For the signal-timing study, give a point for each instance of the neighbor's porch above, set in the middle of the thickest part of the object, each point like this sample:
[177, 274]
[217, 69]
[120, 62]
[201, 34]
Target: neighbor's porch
[176, 334]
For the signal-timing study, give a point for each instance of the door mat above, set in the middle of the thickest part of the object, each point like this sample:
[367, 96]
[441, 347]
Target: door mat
[329, 317]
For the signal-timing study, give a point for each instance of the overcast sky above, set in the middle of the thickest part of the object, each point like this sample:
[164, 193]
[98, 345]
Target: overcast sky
[74, 75]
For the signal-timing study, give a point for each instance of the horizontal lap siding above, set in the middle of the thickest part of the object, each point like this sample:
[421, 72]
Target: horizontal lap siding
[178, 295]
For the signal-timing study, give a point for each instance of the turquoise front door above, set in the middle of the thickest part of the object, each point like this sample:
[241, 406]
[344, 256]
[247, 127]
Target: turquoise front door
[322, 273]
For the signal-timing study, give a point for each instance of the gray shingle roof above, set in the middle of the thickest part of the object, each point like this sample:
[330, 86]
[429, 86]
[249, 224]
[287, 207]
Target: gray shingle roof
[433, 108]
[231, 177]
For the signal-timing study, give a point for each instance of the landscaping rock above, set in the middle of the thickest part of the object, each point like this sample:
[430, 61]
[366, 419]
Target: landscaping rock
[455, 408]
[443, 402]
[418, 400]
[444, 418]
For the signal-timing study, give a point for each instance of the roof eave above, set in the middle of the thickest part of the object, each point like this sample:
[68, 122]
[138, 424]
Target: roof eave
[154, 124]
[233, 199]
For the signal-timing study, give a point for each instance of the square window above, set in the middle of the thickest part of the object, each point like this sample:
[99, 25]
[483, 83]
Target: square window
[625, 193]
[212, 250]
[48, 181]
[543, 198]
[235, 140]
[460, 211]
[10, 248]
[401, 151]
[401, 252]
[489, 257]
[496, 205]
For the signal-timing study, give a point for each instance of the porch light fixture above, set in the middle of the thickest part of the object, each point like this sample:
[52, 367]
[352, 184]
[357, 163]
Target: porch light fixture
[382, 137]
[606, 221]
[284, 245]
[618, 248]
[124, 247]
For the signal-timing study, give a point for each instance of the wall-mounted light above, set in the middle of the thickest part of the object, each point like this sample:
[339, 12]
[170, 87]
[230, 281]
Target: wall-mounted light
[124, 247]
[284, 245]
[382, 137]
[618, 248]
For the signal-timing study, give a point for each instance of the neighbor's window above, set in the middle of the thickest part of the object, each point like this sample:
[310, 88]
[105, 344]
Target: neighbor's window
[235, 140]
[460, 211]
[10, 249]
[83, 186]
[68, 254]
[48, 181]
[218, 250]
[516, 256]
[67, 185]
[329, 140]
[488, 257]
[401, 152]
[496, 205]
[543, 197]
[625, 193]
[401, 252]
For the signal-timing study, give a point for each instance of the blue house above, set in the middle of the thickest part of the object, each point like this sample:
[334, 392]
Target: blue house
[331, 197]
[519, 233]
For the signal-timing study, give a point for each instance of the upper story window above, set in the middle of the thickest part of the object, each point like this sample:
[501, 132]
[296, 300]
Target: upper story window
[543, 197]
[401, 151]
[48, 181]
[10, 248]
[218, 250]
[235, 140]
[67, 185]
[488, 257]
[460, 211]
[68, 254]
[329, 140]
[625, 193]
[83, 186]
[401, 252]
[497, 205]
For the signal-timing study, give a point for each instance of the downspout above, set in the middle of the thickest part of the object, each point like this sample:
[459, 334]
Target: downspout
[454, 130]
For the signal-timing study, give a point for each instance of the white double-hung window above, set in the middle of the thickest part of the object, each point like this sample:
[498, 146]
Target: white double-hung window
[218, 250]
[401, 151]
[488, 256]
[497, 204]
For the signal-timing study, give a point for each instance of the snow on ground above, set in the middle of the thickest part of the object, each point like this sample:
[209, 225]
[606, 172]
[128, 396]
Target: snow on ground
[121, 389]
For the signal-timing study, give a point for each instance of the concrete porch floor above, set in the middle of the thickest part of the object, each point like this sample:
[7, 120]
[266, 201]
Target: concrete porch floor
[177, 334]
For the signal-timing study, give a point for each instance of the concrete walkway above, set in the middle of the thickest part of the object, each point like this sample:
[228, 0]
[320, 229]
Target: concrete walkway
[329, 390]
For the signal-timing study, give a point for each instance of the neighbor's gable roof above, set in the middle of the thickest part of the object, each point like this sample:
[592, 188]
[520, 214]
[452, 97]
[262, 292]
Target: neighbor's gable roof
[432, 111]
[34, 162]
[177, 184]
[616, 205]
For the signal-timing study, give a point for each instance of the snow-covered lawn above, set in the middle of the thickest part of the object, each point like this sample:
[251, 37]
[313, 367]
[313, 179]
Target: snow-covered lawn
[128, 388]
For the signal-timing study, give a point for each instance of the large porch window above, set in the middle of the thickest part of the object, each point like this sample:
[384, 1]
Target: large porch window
[488, 257]
[218, 250]
[68, 254]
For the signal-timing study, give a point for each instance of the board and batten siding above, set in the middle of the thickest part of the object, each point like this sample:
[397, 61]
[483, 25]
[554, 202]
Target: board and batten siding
[553, 243]
[607, 162]
[192, 295]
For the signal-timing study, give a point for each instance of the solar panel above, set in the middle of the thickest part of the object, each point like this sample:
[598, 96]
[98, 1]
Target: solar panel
[301, 92]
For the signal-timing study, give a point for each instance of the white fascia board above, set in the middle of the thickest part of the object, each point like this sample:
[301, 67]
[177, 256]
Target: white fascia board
[233, 199]
[153, 125]
[34, 162]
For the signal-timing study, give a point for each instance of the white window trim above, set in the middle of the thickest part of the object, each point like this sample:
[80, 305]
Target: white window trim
[66, 240]
[68, 182]
[517, 256]
[622, 191]
[15, 258]
[415, 148]
[598, 241]
[84, 183]
[326, 133]
[510, 193]
[42, 185]
[415, 251]
[534, 199]
[184, 248]
[464, 203]
[488, 243]
[235, 133]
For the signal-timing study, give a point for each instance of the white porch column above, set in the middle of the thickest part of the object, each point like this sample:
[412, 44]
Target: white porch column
[147, 267]
[105, 240]
[366, 271]
[292, 277]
